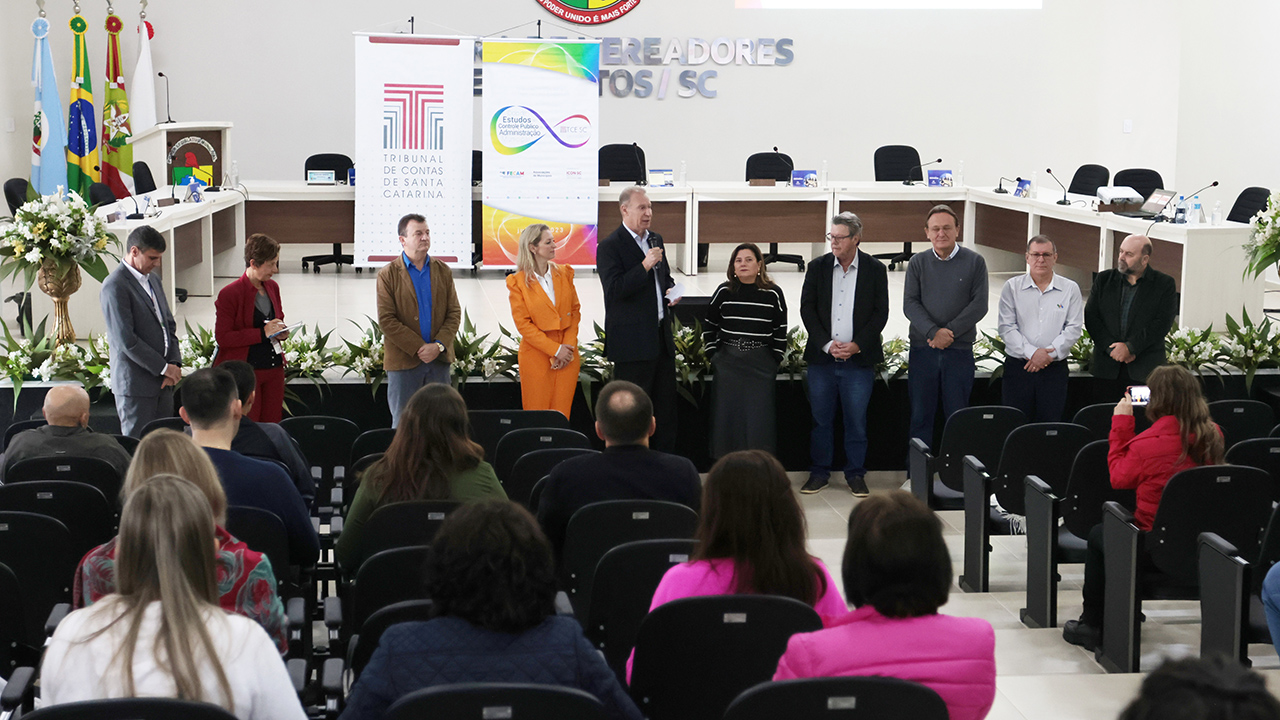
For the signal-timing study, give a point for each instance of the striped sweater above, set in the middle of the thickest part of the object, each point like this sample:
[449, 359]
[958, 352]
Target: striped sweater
[751, 314]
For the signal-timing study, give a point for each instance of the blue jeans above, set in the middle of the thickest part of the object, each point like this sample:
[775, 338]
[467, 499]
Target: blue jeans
[402, 384]
[850, 386]
[1271, 603]
[934, 374]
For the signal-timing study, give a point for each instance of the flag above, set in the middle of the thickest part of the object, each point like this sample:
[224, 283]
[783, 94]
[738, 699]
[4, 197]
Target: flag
[144, 83]
[117, 153]
[82, 125]
[48, 139]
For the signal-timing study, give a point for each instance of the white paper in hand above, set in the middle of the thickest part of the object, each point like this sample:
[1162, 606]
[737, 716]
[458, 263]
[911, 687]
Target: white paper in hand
[675, 292]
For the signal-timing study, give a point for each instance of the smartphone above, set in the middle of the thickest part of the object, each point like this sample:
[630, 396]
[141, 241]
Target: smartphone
[1140, 394]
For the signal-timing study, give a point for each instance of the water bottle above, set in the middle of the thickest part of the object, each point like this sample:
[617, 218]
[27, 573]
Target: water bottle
[957, 177]
[683, 173]
[1217, 213]
[1195, 217]
[235, 174]
[823, 181]
[1180, 215]
[1031, 191]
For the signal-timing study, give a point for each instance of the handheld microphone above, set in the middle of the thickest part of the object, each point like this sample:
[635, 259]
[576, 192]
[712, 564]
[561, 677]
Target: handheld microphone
[653, 243]
[909, 181]
[167, 113]
[790, 165]
[641, 180]
[1000, 189]
[1064, 200]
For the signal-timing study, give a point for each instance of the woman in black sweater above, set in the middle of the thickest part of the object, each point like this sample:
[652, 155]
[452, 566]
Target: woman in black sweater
[745, 335]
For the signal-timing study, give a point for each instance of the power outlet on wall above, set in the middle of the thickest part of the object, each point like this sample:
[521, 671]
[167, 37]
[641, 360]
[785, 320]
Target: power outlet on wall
[10, 125]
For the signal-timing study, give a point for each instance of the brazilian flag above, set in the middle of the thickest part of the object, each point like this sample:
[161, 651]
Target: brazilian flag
[82, 122]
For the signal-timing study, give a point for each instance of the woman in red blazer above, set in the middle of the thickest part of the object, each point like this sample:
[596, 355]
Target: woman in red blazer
[248, 313]
[544, 305]
[1182, 436]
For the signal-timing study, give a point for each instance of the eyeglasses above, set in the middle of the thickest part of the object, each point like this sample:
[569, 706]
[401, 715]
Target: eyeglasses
[1036, 256]
[833, 238]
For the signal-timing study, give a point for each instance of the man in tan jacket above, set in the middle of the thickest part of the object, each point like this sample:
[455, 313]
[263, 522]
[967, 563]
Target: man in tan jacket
[419, 313]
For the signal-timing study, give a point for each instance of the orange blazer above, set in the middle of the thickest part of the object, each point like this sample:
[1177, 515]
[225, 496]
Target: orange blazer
[543, 326]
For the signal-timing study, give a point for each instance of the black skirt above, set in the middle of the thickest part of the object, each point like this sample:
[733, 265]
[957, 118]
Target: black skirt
[743, 415]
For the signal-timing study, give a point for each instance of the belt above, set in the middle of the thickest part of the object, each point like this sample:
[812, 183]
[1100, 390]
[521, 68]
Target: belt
[741, 344]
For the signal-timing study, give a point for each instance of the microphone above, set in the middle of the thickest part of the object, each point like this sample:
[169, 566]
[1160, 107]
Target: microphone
[653, 243]
[783, 158]
[909, 181]
[1001, 189]
[136, 214]
[1064, 200]
[642, 180]
[166, 97]
[1206, 187]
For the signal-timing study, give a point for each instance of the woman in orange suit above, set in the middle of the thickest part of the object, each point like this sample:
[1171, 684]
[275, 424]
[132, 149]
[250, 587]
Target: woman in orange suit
[544, 305]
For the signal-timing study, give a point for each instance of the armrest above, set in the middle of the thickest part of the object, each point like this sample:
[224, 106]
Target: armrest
[978, 480]
[20, 692]
[295, 609]
[1113, 511]
[563, 606]
[60, 611]
[297, 674]
[335, 526]
[339, 474]
[1225, 580]
[332, 686]
[920, 463]
[335, 497]
[333, 612]
[1036, 485]
[1214, 542]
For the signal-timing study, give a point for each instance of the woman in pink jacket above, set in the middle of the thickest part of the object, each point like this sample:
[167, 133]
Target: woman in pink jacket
[897, 572]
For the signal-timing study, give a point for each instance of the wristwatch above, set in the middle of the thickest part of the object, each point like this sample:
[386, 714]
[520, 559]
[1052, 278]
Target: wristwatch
[441, 346]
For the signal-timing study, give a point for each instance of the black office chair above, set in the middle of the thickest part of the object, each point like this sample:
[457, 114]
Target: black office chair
[1262, 453]
[387, 578]
[89, 515]
[518, 443]
[979, 431]
[101, 194]
[128, 442]
[39, 551]
[326, 443]
[370, 442]
[1088, 179]
[143, 182]
[532, 467]
[695, 655]
[897, 163]
[1098, 419]
[774, 166]
[624, 162]
[840, 698]
[1242, 419]
[339, 164]
[1248, 203]
[169, 423]
[492, 701]
[1231, 612]
[1144, 181]
[15, 193]
[404, 524]
[132, 709]
[595, 529]
[19, 426]
[72, 468]
[361, 645]
[621, 592]
[488, 426]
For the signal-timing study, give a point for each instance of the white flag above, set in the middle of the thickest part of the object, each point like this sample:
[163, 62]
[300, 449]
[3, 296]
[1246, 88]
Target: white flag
[143, 95]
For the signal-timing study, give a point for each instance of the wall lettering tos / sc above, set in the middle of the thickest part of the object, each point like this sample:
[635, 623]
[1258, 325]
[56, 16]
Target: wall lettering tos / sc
[657, 81]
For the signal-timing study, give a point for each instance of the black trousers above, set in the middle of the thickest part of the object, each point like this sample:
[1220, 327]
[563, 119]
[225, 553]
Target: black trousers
[1041, 395]
[657, 377]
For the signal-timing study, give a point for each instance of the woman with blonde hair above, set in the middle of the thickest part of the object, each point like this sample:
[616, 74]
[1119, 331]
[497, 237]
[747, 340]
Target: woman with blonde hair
[162, 634]
[1182, 436]
[544, 305]
[246, 578]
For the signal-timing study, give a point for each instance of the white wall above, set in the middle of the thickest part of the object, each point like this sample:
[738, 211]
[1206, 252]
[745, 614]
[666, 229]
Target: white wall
[1007, 92]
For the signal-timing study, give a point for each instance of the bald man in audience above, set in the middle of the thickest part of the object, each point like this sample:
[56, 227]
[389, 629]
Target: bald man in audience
[66, 407]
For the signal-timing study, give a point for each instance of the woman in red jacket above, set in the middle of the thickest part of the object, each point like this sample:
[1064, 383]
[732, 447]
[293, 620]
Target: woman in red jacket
[1181, 436]
[248, 315]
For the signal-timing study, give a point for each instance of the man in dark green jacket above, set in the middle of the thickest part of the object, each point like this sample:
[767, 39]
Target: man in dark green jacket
[1129, 312]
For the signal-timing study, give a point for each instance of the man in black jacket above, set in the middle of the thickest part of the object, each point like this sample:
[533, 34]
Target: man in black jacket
[844, 305]
[637, 315]
[1130, 310]
[626, 470]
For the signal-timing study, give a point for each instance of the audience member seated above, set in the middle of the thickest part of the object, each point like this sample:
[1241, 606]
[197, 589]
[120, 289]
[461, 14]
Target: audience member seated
[491, 577]
[431, 457]
[1182, 435]
[1214, 688]
[211, 406]
[163, 634]
[626, 470]
[246, 581]
[66, 407]
[264, 439]
[897, 573]
[751, 540]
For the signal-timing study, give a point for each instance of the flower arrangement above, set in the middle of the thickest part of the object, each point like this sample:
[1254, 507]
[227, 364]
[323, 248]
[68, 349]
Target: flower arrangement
[793, 357]
[989, 352]
[1248, 347]
[22, 356]
[1263, 248]
[595, 367]
[364, 356]
[197, 347]
[1081, 353]
[692, 364]
[477, 356]
[59, 232]
[307, 354]
[1194, 349]
[894, 365]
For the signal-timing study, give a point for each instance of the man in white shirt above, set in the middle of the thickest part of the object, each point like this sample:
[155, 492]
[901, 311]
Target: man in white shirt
[1041, 317]
[142, 334]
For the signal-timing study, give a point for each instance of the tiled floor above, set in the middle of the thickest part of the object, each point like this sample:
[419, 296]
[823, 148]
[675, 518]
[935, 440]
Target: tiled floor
[1040, 677]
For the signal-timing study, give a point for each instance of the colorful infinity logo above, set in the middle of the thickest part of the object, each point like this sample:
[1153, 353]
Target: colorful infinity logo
[508, 131]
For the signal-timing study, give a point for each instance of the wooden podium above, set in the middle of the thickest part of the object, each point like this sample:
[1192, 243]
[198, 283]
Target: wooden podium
[154, 145]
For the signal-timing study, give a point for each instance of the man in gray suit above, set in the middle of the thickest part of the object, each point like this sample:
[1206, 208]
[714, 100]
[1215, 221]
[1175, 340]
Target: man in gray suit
[142, 334]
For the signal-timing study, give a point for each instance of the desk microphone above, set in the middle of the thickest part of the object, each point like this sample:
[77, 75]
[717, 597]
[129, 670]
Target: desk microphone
[1001, 189]
[137, 214]
[783, 158]
[641, 180]
[1064, 200]
[166, 97]
[1206, 187]
[914, 168]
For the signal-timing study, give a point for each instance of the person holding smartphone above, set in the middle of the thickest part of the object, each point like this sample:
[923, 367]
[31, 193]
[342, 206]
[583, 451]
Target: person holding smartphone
[250, 325]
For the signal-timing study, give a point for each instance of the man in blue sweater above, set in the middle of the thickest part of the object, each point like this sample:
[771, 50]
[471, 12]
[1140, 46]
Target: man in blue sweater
[211, 405]
[946, 295]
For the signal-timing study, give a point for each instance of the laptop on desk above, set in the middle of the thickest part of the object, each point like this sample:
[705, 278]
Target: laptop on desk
[1152, 207]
